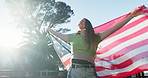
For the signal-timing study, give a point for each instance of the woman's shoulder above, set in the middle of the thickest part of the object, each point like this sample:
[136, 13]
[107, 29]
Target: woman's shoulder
[72, 34]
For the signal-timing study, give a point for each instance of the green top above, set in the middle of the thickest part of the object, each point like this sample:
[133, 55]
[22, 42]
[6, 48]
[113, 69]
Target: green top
[78, 44]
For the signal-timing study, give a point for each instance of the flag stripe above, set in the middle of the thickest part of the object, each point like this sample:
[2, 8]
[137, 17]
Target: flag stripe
[112, 23]
[113, 42]
[128, 73]
[67, 62]
[124, 39]
[124, 50]
[139, 20]
[122, 45]
[106, 63]
[66, 57]
[123, 64]
[128, 68]
[109, 24]
[125, 33]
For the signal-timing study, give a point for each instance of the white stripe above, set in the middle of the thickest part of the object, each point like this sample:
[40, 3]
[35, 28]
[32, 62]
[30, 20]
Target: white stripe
[130, 54]
[127, 69]
[124, 44]
[124, 34]
[60, 49]
[123, 58]
[66, 57]
[68, 66]
[146, 8]
[146, 14]
[136, 18]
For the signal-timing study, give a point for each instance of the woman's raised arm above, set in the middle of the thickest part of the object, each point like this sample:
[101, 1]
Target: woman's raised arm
[108, 32]
[61, 36]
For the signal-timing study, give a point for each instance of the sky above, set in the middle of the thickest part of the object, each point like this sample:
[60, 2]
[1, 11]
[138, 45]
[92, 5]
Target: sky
[99, 11]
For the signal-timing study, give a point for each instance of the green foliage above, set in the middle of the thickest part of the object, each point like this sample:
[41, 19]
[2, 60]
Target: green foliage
[38, 52]
[60, 14]
[32, 16]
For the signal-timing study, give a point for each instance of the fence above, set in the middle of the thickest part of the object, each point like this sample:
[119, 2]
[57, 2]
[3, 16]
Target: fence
[140, 75]
[33, 74]
[47, 74]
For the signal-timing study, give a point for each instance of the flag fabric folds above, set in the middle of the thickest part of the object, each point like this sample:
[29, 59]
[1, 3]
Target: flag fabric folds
[122, 54]
[63, 50]
[125, 52]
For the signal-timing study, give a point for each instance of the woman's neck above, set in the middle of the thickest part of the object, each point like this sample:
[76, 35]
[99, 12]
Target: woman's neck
[81, 31]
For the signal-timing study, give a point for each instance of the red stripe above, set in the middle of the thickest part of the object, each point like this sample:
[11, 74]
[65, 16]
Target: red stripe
[112, 23]
[125, 63]
[109, 24]
[126, 74]
[124, 51]
[130, 25]
[67, 62]
[117, 42]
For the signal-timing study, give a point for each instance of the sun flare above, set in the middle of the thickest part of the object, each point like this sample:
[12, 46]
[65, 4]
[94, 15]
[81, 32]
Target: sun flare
[10, 36]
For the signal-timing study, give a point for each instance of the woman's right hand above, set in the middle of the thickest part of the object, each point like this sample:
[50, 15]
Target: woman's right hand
[61, 36]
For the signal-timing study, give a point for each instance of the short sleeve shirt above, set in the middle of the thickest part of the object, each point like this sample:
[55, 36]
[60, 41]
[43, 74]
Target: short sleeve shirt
[79, 45]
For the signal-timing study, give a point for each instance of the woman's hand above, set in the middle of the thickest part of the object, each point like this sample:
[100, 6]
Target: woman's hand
[136, 12]
[61, 36]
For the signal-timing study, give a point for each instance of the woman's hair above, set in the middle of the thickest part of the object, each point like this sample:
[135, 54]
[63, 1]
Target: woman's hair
[89, 36]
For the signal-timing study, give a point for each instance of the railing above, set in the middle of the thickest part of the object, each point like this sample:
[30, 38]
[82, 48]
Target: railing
[32, 74]
[139, 75]
[47, 74]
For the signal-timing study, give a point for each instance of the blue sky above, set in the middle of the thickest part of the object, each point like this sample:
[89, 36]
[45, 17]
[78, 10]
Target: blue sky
[99, 11]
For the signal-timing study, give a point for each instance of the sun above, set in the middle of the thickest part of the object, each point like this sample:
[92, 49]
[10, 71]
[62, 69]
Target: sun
[10, 36]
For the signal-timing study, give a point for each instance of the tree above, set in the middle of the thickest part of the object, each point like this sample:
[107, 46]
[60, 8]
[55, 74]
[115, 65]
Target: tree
[32, 16]
[37, 50]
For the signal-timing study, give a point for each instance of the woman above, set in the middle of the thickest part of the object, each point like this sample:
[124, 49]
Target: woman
[84, 45]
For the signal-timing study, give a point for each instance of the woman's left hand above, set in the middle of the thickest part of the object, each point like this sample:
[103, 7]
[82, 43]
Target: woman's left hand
[136, 12]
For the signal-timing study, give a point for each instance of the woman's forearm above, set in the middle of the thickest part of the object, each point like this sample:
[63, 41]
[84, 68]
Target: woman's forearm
[61, 36]
[115, 28]
[121, 24]
[134, 13]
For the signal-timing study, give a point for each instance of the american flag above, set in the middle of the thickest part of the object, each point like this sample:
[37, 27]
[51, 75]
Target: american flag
[125, 52]
[122, 54]
[63, 50]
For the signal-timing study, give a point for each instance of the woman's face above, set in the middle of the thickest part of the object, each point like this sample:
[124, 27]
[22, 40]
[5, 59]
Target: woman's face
[82, 24]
